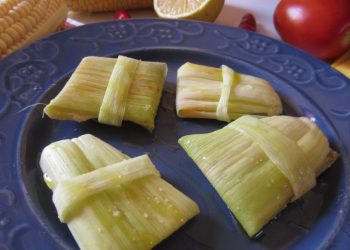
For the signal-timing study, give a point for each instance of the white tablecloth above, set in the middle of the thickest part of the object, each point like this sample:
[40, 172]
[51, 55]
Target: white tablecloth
[230, 15]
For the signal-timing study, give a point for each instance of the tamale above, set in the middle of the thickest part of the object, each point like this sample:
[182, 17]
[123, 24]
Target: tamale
[222, 94]
[111, 90]
[111, 201]
[258, 166]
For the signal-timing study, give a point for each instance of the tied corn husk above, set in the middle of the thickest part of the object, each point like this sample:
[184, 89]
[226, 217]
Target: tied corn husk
[111, 90]
[222, 94]
[113, 105]
[108, 200]
[22, 22]
[258, 166]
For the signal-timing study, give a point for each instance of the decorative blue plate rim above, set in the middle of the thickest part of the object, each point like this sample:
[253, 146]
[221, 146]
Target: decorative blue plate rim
[28, 73]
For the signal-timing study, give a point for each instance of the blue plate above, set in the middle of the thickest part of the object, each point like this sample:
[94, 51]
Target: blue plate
[35, 74]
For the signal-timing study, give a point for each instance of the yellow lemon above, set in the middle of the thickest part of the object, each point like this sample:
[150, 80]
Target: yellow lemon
[205, 10]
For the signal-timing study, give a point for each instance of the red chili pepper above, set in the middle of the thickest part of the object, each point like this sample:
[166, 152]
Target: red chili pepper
[121, 14]
[248, 22]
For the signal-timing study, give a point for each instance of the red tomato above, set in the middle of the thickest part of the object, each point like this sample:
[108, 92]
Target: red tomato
[320, 27]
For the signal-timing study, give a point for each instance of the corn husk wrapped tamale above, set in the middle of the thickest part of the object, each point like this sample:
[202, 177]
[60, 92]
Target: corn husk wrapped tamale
[108, 200]
[258, 166]
[111, 90]
[222, 94]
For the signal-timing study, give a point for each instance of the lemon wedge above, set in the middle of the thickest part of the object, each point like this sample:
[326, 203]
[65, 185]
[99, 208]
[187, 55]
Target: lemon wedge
[204, 10]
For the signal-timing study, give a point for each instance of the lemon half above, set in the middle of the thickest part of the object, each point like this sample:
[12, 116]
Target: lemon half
[204, 10]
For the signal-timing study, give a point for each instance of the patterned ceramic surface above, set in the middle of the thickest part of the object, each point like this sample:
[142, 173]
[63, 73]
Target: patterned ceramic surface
[35, 74]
